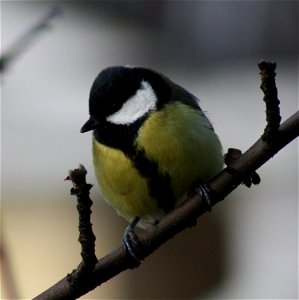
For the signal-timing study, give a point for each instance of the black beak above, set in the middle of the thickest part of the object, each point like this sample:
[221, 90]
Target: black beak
[89, 125]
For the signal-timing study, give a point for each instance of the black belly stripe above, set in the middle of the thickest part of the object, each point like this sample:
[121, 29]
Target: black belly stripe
[159, 184]
[122, 137]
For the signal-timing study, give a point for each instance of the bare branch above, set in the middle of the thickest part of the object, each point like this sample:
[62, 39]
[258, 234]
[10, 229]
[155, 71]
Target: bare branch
[184, 215]
[180, 218]
[26, 39]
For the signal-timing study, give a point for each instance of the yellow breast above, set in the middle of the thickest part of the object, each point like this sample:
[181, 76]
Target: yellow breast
[179, 139]
[121, 184]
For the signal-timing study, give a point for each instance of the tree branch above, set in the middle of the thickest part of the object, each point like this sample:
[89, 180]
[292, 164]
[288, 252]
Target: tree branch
[182, 217]
[18, 47]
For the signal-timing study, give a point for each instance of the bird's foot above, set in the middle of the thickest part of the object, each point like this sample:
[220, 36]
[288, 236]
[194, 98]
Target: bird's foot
[207, 195]
[131, 243]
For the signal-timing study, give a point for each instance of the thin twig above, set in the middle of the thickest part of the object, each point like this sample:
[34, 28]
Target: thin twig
[268, 86]
[26, 39]
[86, 236]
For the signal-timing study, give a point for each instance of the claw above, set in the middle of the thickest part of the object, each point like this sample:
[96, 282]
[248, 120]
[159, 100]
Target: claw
[206, 193]
[130, 240]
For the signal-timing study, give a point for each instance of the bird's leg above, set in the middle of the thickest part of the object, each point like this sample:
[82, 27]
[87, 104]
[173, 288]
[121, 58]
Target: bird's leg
[207, 195]
[130, 240]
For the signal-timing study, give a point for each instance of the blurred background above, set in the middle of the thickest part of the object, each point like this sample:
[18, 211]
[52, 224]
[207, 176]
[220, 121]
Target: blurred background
[248, 246]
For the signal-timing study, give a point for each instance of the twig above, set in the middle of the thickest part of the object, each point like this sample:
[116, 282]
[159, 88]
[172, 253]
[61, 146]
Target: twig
[181, 217]
[86, 236]
[234, 154]
[26, 39]
[272, 103]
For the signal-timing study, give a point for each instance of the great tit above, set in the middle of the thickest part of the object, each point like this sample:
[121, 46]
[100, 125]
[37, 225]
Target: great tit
[152, 144]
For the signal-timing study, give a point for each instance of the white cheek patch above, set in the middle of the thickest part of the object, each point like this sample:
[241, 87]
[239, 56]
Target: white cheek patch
[136, 106]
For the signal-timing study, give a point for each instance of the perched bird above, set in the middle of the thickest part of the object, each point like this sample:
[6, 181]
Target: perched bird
[152, 144]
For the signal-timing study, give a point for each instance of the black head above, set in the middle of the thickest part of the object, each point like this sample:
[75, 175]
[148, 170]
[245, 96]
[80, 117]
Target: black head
[120, 99]
[114, 86]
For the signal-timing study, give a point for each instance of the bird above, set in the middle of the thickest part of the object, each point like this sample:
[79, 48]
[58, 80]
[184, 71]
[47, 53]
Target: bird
[152, 144]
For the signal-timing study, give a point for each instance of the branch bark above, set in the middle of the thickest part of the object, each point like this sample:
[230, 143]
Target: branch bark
[184, 215]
